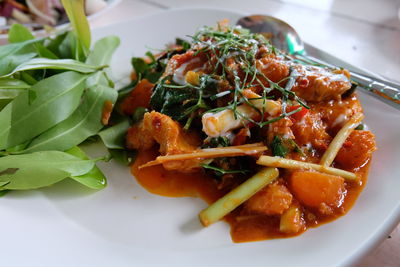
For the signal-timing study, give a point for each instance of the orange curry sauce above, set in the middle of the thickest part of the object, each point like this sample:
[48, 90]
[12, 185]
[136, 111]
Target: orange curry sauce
[162, 182]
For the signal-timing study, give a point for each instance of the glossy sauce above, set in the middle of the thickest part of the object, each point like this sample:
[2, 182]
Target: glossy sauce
[244, 228]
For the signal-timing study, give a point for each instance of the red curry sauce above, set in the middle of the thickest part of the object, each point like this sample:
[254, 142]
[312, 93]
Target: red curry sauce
[244, 228]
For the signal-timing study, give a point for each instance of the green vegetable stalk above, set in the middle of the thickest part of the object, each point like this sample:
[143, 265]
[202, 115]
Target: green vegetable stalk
[237, 196]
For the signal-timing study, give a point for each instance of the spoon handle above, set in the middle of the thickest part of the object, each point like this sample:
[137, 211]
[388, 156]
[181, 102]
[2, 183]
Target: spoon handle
[386, 91]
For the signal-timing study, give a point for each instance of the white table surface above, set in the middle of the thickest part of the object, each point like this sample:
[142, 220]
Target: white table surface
[365, 33]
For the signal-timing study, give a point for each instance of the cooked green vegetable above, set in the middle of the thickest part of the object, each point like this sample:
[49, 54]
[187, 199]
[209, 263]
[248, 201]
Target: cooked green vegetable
[278, 147]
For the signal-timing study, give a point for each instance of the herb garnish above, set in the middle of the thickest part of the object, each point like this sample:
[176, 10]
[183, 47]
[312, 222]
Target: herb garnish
[222, 47]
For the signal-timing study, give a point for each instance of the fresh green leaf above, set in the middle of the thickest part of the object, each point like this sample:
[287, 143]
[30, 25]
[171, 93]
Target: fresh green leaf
[18, 48]
[56, 98]
[41, 169]
[5, 122]
[10, 83]
[4, 192]
[101, 55]
[4, 102]
[103, 50]
[125, 157]
[75, 10]
[10, 62]
[83, 123]
[26, 77]
[7, 95]
[19, 33]
[59, 64]
[60, 45]
[15, 54]
[44, 52]
[94, 179]
[114, 137]
[17, 148]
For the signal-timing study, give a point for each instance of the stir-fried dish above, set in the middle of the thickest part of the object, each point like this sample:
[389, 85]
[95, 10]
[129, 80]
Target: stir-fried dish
[275, 145]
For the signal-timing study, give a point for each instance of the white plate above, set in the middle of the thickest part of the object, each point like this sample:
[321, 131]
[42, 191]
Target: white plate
[123, 225]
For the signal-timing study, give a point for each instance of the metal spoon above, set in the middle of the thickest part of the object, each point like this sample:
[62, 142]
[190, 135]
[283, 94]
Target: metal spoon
[285, 38]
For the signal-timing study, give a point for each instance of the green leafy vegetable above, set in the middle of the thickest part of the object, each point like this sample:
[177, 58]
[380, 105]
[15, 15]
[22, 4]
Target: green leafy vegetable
[52, 97]
[94, 179]
[183, 101]
[10, 62]
[40, 169]
[83, 123]
[11, 83]
[59, 64]
[145, 70]
[56, 98]
[114, 137]
[101, 55]
[123, 156]
[21, 48]
[76, 14]
[103, 50]
[4, 192]
[9, 89]
[19, 33]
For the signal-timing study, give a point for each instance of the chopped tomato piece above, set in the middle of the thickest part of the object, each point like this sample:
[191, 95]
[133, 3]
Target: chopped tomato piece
[298, 115]
[139, 97]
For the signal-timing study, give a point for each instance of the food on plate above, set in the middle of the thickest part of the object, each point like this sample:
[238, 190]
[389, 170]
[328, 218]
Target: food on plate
[274, 145]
